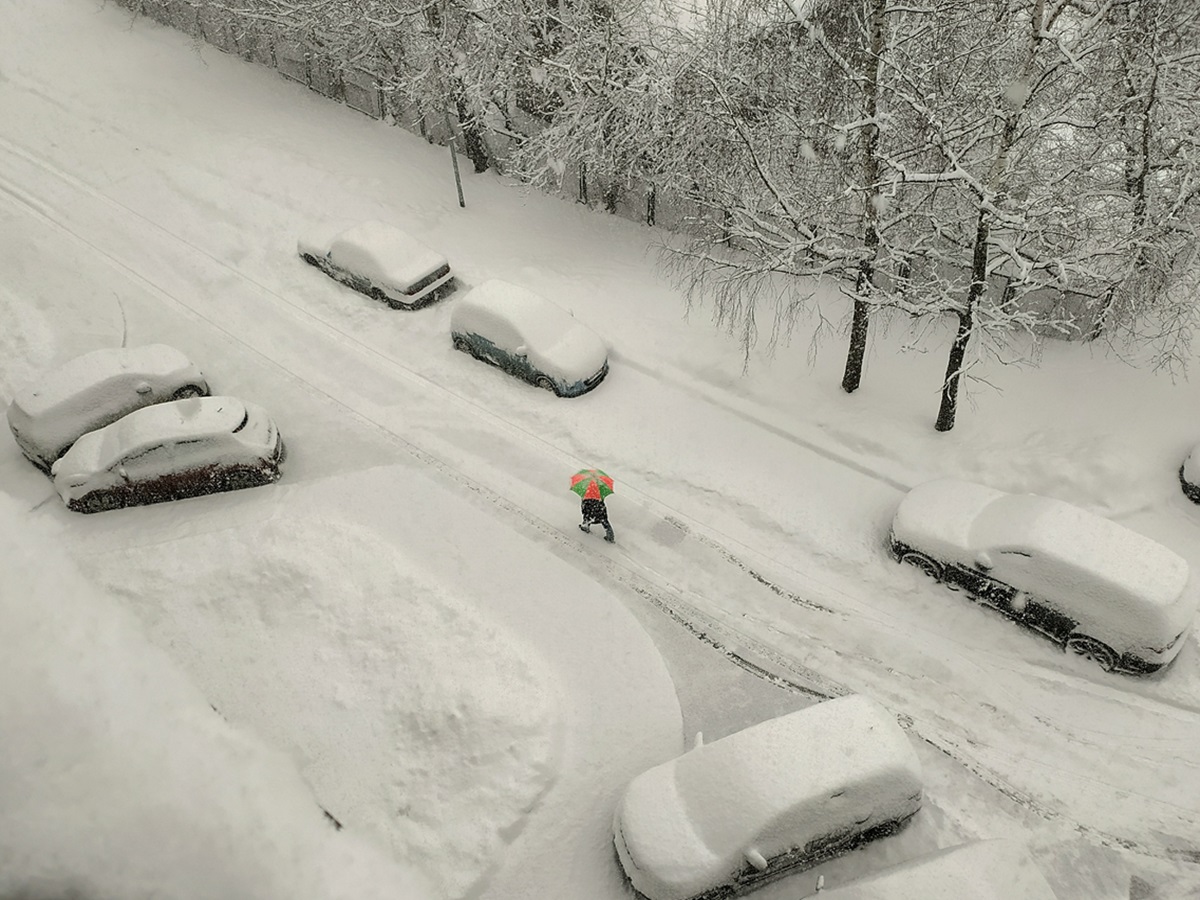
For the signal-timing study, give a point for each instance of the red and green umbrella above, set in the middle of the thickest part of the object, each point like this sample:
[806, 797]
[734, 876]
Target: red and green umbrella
[591, 484]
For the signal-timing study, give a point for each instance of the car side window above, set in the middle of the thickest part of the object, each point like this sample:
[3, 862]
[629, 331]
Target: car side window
[147, 459]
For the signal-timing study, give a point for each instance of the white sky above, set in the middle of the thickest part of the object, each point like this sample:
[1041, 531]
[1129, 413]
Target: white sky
[411, 616]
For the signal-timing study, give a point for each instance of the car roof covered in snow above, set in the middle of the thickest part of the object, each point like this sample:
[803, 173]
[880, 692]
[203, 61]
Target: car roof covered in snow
[835, 744]
[1082, 540]
[63, 384]
[384, 253]
[535, 317]
[980, 870]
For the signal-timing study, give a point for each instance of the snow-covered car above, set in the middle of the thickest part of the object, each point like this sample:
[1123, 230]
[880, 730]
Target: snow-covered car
[1095, 587]
[170, 451]
[980, 870]
[381, 261]
[1189, 475]
[94, 390]
[529, 337]
[780, 796]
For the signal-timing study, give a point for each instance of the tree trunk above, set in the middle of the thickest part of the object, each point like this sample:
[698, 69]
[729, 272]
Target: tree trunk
[869, 141]
[966, 324]
[858, 346]
[958, 352]
[473, 142]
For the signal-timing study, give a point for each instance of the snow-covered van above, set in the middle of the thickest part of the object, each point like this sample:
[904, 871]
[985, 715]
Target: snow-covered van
[980, 870]
[94, 390]
[1099, 589]
[780, 796]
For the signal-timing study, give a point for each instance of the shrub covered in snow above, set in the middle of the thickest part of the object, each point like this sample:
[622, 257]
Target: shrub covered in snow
[119, 779]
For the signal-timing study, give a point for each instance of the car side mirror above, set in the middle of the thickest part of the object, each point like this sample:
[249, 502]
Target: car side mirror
[143, 388]
[983, 560]
[522, 350]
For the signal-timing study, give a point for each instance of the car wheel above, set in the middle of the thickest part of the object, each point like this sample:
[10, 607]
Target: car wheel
[98, 501]
[188, 391]
[460, 344]
[924, 563]
[309, 258]
[545, 384]
[1090, 648]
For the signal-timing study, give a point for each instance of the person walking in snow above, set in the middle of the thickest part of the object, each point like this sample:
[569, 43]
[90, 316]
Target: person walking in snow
[596, 513]
[593, 486]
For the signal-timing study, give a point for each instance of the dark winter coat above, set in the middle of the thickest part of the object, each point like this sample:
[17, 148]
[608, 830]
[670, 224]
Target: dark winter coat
[594, 512]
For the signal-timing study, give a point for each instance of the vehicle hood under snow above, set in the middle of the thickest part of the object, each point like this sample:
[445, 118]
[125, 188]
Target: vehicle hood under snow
[936, 517]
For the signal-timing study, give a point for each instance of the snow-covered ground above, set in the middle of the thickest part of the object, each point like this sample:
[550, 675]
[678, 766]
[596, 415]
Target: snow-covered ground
[410, 616]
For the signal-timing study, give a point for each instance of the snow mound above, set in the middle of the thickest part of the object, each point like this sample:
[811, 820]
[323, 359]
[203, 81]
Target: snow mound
[981, 870]
[118, 778]
[410, 712]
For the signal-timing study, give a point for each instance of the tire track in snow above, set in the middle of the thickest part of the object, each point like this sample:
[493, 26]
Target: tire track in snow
[752, 655]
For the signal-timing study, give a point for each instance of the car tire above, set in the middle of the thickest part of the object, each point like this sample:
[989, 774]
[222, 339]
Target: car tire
[929, 566]
[309, 258]
[1090, 648]
[460, 344]
[187, 392]
[98, 501]
[545, 384]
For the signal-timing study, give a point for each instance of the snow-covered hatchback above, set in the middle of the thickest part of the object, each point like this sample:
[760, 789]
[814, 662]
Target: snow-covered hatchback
[94, 390]
[529, 337]
[381, 261]
[780, 796]
[1097, 588]
[170, 451]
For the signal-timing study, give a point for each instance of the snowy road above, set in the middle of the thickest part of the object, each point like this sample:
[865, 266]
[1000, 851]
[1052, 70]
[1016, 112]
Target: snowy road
[732, 522]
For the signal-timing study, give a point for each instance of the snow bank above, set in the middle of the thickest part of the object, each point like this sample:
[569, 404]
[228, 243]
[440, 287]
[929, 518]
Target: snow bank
[416, 718]
[119, 780]
[981, 870]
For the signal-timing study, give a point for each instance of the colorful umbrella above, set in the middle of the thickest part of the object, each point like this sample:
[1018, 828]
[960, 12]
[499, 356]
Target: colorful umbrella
[591, 484]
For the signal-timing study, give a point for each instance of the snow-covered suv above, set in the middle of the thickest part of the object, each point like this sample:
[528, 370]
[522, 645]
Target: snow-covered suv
[1097, 588]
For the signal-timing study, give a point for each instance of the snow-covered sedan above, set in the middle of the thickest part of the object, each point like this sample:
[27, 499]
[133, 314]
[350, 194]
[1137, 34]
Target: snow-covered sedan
[381, 261]
[529, 337]
[780, 796]
[170, 451]
[1095, 587]
[94, 390]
